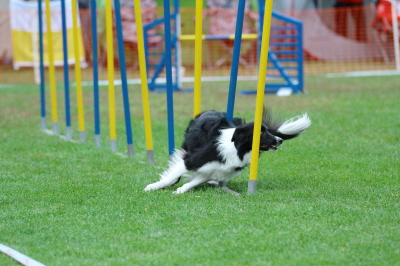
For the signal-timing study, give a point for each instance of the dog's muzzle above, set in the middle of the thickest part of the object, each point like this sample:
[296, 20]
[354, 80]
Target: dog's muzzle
[272, 147]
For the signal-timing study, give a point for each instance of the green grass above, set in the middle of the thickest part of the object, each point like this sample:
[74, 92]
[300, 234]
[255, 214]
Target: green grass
[330, 197]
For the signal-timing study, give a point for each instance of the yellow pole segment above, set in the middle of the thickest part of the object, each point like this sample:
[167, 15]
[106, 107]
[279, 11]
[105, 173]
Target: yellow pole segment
[110, 70]
[191, 37]
[52, 75]
[143, 77]
[261, 88]
[78, 74]
[249, 36]
[198, 56]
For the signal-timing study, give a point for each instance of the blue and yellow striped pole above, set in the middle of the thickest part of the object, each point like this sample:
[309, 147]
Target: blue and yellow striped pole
[143, 78]
[262, 72]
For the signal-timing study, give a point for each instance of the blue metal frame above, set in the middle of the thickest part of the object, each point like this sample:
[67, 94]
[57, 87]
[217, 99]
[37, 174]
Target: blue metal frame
[294, 49]
[284, 78]
[152, 51]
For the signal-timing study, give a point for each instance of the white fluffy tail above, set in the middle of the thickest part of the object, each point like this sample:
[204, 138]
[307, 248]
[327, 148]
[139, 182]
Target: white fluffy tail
[295, 125]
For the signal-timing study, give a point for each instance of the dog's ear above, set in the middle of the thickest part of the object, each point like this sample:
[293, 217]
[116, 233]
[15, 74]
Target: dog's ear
[236, 135]
[240, 132]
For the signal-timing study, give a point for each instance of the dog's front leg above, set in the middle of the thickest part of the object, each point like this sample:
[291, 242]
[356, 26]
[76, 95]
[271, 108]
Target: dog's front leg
[197, 180]
[169, 177]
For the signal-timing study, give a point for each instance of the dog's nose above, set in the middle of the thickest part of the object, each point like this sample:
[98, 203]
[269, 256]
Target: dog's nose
[278, 141]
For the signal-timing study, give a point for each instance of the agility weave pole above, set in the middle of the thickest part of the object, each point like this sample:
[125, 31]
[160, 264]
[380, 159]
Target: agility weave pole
[68, 129]
[96, 101]
[110, 73]
[198, 53]
[52, 75]
[111, 83]
[125, 93]
[235, 60]
[168, 71]
[262, 72]
[18, 256]
[41, 66]
[78, 73]
[143, 78]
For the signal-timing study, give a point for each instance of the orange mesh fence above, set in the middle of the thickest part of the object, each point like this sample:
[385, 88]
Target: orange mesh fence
[345, 39]
[334, 40]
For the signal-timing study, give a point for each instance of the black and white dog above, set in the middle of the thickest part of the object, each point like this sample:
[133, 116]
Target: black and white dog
[216, 149]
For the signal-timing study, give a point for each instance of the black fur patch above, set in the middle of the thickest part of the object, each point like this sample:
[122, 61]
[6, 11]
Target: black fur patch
[201, 138]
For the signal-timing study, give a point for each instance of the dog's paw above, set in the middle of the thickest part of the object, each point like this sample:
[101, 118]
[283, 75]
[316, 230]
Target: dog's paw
[179, 191]
[151, 187]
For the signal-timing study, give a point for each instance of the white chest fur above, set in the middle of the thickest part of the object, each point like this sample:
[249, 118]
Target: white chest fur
[231, 165]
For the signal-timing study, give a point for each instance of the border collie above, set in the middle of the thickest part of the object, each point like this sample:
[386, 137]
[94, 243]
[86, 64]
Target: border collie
[215, 149]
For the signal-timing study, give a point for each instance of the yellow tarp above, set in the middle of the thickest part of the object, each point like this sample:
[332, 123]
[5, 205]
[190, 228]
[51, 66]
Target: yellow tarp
[25, 37]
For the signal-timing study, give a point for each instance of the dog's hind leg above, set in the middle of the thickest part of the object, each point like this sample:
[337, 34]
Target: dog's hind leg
[197, 180]
[172, 175]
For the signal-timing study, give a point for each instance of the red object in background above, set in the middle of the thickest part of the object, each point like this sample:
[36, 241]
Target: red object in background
[384, 15]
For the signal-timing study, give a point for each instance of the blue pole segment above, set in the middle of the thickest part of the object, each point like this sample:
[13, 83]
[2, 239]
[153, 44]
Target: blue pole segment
[176, 44]
[261, 5]
[93, 11]
[168, 69]
[300, 58]
[42, 81]
[65, 58]
[235, 60]
[121, 54]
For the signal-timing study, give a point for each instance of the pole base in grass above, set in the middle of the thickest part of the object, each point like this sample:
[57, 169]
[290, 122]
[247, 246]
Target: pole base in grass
[150, 157]
[56, 131]
[97, 140]
[113, 145]
[252, 187]
[68, 133]
[131, 150]
[43, 123]
[82, 136]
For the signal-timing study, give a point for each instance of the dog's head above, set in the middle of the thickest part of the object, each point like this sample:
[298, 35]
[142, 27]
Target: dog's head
[243, 138]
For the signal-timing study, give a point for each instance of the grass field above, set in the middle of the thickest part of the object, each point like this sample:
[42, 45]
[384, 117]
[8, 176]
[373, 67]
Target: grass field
[330, 197]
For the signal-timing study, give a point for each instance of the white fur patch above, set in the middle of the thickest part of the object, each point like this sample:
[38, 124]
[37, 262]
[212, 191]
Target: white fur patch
[176, 169]
[175, 161]
[226, 148]
[295, 125]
